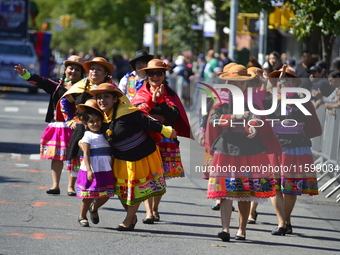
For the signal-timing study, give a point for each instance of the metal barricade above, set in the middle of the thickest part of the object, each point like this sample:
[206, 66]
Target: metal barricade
[330, 152]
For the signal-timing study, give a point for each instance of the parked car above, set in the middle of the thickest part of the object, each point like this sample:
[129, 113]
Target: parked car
[13, 53]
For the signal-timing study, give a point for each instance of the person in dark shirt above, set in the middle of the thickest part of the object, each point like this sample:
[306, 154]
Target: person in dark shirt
[301, 69]
[320, 85]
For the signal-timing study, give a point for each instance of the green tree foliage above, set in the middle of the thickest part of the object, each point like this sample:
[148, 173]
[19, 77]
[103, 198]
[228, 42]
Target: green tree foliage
[317, 16]
[115, 25]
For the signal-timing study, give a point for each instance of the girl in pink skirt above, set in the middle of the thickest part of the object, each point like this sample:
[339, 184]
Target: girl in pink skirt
[95, 176]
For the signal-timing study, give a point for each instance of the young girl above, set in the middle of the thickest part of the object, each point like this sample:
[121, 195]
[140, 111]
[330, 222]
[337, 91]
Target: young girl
[95, 177]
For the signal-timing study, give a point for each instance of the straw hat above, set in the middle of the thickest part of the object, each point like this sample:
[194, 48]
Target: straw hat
[156, 64]
[289, 73]
[254, 68]
[226, 68]
[74, 59]
[90, 103]
[237, 73]
[100, 61]
[106, 87]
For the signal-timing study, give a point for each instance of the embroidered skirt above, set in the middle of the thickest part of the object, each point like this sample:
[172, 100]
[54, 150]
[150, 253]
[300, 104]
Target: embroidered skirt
[136, 181]
[54, 141]
[102, 184]
[295, 175]
[171, 158]
[235, 182]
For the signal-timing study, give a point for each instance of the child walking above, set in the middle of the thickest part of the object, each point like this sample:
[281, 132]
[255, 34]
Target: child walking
[95, 178]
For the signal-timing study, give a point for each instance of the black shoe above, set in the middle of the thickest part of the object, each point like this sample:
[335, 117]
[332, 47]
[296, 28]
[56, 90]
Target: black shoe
[240, 237]
[225, 236]
[289, 229]
[233, 208]
[71, 194]
[148, 220]
[279, 232]
[157, 218]
[95, 220]
[83, 223]
[216, 207]
[53, 191]
[253, 221]
[122, 228]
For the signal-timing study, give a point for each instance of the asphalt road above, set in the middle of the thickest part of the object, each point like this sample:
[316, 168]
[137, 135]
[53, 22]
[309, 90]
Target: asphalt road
[32, 222]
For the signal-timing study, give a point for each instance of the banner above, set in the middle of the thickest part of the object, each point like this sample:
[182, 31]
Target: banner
[14, 19]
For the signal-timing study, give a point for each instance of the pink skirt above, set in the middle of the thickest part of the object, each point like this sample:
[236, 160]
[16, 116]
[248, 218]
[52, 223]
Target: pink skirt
[54, 141]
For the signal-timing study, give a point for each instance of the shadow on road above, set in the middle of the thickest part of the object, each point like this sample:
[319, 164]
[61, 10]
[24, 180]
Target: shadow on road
[22, 148]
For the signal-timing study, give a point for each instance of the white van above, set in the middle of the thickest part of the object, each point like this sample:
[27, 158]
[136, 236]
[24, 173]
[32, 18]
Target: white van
[13, 53]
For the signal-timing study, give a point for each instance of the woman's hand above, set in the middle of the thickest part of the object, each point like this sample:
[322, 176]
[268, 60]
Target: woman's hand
[159, 91]
[283, 73]
[252, 132]
[90, 175]
[20, 69]
[73, 125]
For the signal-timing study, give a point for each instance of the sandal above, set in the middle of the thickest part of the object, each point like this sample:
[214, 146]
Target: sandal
[95, 220]
[83, 223]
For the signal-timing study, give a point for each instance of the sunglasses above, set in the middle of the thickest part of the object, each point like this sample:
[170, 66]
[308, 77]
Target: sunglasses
[152, 73]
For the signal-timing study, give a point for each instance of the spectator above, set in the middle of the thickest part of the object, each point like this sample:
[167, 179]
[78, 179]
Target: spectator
[336, 64]
[323, 64]
[273, 63]
[212, 67]
[334, 80]
[253, 62]
[224, 58]
[320, 86]
[291, 64]
[302, 68]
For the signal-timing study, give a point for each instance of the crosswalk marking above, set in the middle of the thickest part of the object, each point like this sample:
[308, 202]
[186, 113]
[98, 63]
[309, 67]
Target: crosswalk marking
[11, 109]
[42, 110]
[34, 156]
[15, 156]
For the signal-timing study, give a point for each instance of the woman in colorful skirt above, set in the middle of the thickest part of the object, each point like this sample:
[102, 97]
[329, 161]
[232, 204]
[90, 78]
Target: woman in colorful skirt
[56, 137]
[236, 147]
[95, 177]
[99, 71]
[163, 104]
[137, 165]
[294, 137]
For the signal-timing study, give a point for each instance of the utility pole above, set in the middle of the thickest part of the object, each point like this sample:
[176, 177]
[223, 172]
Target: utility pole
[262, 37]
[160, 29]
[152, 14]
[233, 28]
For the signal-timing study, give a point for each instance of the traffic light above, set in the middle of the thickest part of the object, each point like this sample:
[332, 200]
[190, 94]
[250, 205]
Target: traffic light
[67, 20]
[62, 20]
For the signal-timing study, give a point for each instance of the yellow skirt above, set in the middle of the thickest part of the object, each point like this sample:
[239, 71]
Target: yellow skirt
[136, 181]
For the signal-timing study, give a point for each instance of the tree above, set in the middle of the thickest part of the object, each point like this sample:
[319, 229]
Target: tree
[317, 16]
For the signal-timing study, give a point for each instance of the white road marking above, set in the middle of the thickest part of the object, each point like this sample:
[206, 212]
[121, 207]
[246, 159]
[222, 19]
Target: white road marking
[35, 156]
[42, 110]
[21, 165]
[15, 156]
[11, 109]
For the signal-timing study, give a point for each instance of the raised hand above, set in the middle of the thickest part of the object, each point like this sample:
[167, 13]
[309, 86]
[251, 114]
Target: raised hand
[20, 69]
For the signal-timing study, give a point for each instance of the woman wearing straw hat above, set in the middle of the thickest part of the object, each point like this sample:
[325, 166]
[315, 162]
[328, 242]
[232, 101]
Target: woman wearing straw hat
[137, 165]
[99, 71]
[294, 137]
[163, 104]
[133, 81]
[56, 137]
[238, 146]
